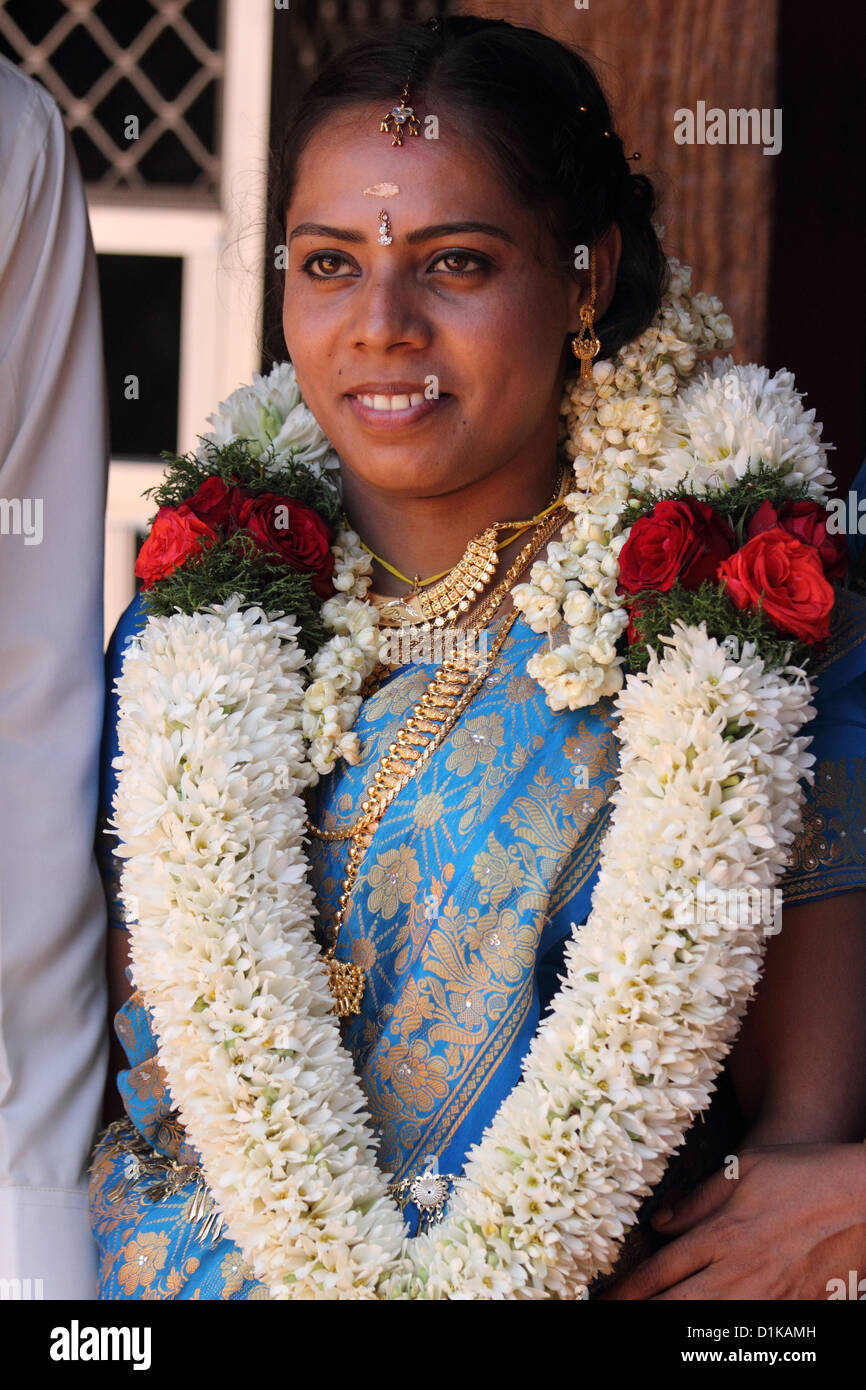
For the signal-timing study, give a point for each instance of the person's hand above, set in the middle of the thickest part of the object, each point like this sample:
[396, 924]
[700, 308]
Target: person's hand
[792, 1221]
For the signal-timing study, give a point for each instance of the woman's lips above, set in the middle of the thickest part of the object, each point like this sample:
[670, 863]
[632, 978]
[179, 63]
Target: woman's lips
[394, 411]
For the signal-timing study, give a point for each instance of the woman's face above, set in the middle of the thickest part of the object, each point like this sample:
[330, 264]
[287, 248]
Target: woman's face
[465, 301]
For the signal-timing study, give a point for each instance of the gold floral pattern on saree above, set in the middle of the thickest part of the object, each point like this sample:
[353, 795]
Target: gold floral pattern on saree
[147, 1080]
[475, 743]
[453, 897]
[143, 1258]
[393, 880]
[417, 1077]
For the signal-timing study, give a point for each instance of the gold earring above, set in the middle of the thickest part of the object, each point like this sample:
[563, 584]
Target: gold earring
[586, 345]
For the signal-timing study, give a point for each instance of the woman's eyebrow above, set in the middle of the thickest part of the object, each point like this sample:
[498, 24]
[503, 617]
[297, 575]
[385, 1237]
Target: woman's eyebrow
[437, 229]
[319, 229]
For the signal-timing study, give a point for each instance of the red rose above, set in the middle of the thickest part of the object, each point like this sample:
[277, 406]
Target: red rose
[294, 532]
[786, 576]
[216, 503]
[807, 520]
[681, 539]
[175, 534]
[633, 632]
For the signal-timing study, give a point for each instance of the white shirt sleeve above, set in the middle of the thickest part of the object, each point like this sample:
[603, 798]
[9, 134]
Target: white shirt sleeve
[53, 472]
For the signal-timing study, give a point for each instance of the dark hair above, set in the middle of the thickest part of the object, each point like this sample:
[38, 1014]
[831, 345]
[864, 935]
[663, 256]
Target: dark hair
[521, 93]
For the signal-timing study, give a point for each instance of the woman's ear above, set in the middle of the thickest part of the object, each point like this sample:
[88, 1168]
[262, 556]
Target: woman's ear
[608, 250]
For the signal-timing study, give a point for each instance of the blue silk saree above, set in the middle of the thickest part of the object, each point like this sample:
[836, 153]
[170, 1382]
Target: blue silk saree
[459, 919]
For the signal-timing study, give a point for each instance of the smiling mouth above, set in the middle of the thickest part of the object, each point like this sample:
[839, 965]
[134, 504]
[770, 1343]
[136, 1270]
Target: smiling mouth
[398, 407]
[399, 402]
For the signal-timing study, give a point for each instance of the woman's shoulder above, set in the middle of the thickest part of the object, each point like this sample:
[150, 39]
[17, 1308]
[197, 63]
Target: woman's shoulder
[131, 621]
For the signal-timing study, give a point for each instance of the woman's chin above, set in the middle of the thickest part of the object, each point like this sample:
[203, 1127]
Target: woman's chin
[407, 474]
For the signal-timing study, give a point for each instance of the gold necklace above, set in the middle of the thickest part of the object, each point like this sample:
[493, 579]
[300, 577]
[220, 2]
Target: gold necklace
[453, 594]
[493, 600]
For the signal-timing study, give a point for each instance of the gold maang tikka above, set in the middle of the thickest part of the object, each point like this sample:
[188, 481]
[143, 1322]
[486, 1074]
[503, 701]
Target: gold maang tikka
[586, 345]
[401, 117]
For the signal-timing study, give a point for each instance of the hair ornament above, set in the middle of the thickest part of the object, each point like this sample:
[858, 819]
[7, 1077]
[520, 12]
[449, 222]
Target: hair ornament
[400, 116]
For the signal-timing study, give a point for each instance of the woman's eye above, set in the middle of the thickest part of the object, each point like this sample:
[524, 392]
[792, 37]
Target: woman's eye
[460, 262]
[328, 265]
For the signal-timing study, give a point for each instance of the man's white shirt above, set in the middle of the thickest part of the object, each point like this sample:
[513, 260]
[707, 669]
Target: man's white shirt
[53, 471]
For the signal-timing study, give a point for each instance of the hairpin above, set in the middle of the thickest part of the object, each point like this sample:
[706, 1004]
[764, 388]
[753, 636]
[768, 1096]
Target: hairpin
[609, 135]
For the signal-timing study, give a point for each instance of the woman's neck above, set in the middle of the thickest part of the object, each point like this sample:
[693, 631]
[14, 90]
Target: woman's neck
[426, 535]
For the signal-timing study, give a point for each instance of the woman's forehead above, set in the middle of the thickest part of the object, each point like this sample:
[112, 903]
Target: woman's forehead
[440, 179]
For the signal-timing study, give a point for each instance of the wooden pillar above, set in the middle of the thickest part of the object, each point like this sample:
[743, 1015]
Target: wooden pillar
[653, 58]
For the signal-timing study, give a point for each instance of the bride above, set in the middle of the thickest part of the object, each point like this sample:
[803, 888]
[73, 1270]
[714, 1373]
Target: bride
[466, 244]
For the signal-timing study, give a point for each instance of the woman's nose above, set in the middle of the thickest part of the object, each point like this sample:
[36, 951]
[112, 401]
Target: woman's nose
[387, 314]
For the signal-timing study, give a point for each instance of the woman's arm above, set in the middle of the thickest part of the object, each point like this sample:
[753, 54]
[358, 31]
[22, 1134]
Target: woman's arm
[119, 990]
[117, 957]
[790, 1225]
[791, 1216]
[799, 1065]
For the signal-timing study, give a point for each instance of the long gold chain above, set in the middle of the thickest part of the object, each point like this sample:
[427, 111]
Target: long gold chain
[440, 706]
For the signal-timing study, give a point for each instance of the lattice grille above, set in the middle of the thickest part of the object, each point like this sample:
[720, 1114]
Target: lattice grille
[106, 60]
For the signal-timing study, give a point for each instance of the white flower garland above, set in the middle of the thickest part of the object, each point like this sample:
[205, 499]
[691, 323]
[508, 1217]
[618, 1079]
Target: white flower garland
[224, 953]
[221, 728]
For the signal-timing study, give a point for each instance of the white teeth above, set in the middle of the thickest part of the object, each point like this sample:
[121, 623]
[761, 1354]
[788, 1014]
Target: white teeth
[393, 402]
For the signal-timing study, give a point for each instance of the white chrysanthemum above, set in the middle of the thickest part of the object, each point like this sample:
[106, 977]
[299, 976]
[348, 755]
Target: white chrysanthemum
[272, 412]
[647, 420]
[730, 419]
